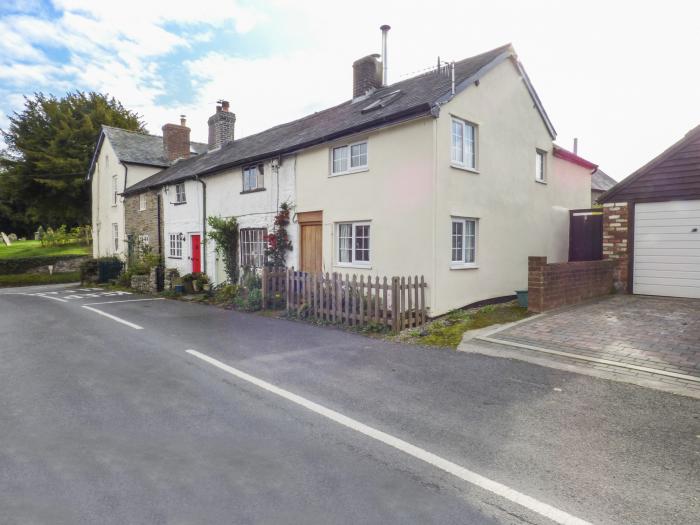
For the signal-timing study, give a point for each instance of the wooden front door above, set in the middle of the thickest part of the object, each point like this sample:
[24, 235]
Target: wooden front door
[196, 253]
[311, 256]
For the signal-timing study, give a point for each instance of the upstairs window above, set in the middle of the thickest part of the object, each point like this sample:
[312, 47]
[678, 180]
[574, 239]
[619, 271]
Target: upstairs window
[464, 233]
[353, 243]
[253, 178]
[114, 190]
[180, 196]
[142, 202]
[464, 144]
[540, 166]
[175, 246]
[349, 158]
[253, 247]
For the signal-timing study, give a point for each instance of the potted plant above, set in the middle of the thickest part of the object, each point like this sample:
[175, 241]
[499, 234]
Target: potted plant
[203, 282]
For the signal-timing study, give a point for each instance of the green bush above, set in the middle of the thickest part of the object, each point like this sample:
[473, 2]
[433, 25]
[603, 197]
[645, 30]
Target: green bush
[89, 271]
[226, 293]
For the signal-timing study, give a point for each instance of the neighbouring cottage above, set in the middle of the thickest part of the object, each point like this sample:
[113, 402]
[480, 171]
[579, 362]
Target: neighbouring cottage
[452, 175]
[651, 223]
[123, 158]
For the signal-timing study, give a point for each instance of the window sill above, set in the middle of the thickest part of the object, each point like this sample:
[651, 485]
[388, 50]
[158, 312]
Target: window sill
[351, 172]
[256, 190]
[464, 267]
[351, 265]
[173, 257]
[464, 168]
[541, 181]
[178, 203]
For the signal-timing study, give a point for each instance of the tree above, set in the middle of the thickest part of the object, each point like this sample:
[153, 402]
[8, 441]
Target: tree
[49, 147]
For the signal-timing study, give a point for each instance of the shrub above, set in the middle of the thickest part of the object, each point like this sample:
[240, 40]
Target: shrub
[226, 293]
[89, 271]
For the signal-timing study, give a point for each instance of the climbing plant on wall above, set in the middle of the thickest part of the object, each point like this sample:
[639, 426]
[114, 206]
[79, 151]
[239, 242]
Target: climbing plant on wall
[278, 243]
[224, 233]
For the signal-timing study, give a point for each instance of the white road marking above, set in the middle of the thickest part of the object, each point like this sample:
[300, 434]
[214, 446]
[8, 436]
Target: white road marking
[544, 509]
[114, 318]
[127, 301]
[49, 297]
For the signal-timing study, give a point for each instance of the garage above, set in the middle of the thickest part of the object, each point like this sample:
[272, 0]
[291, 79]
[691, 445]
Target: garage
[667, 248]
[652, 223]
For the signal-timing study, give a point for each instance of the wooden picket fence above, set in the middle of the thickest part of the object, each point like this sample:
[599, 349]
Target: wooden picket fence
[396, 302]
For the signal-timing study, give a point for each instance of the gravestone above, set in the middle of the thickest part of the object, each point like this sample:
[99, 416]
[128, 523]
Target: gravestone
[6, 239]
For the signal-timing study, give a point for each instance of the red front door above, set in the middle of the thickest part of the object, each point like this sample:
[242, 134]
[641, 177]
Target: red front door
[196, 254]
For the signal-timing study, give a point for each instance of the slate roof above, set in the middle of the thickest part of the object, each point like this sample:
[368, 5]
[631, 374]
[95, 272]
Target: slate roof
[142, 148]
[138, 148]
[419, 96]
[601, 181]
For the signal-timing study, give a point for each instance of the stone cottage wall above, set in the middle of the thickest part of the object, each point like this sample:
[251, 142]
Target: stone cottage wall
[142, 222]
[616, 240]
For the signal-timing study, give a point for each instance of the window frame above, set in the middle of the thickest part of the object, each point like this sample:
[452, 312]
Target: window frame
[475, 144]
[350, 169]
[243, 243]
[540, 153]
[174, 246]
[462, 263]
[115, 190]
[115, 236]
[353, 263]
[142, 202]
[180, 196]
[259, 178]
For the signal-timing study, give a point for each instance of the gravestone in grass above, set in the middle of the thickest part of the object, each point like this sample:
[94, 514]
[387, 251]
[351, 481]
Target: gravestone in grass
[5, 239]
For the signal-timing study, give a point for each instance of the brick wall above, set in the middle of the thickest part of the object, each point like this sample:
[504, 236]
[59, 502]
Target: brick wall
[616, 240]
[560, 284]
[142, 222]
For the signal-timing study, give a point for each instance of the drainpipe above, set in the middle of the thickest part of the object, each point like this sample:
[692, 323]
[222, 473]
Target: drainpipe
[159, 203]
[126, 173]
[204, 222]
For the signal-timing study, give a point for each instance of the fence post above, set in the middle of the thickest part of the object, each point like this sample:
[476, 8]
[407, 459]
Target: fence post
[265, 279]
[422, 301]
[395, 304]
[288, 288]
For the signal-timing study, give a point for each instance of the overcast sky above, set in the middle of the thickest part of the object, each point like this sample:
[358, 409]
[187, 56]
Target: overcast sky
[622, 76]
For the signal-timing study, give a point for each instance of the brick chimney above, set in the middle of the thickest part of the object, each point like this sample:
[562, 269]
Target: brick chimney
[221, 125]
[176, 140]
[366, 75]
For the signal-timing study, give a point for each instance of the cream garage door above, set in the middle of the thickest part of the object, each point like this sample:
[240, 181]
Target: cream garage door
[667, 248]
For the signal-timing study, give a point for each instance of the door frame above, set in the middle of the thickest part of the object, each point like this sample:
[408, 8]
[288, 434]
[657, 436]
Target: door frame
[309, 218]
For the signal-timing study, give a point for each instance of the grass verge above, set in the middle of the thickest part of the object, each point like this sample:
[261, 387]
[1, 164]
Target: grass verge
[24, 249]
[447, 331]
[24, 279]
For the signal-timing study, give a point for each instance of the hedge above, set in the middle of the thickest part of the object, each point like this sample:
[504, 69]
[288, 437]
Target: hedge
[30, 279]
[15, 266]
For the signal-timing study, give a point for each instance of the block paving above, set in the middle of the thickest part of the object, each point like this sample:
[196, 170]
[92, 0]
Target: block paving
[655, 332]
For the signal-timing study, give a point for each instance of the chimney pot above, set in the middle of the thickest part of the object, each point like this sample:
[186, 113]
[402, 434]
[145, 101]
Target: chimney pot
[224, 105]
[183, 120]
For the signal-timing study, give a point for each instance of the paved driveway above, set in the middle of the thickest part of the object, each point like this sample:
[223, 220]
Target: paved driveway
[655, 332]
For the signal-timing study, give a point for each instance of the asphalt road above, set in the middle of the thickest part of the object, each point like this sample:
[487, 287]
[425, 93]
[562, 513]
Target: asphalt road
[106, 422]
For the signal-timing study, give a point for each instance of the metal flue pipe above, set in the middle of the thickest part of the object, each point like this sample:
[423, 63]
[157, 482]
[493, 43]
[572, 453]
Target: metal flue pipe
[385, 62]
